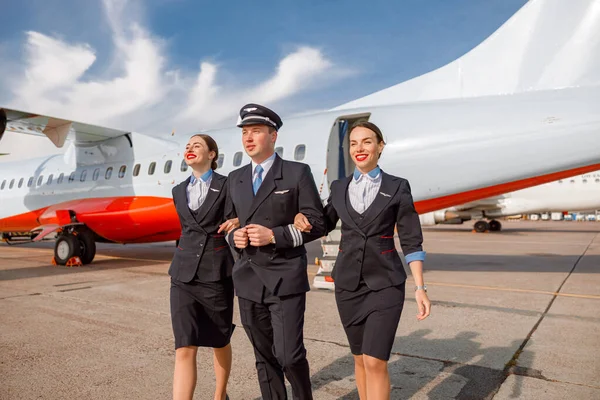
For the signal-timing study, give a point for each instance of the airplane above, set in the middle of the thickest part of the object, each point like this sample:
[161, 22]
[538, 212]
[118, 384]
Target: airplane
[114, 185]
[578, 193]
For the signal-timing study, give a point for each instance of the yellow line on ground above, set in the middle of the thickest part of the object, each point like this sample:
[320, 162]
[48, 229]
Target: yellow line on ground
[105, 257]
[583, 296]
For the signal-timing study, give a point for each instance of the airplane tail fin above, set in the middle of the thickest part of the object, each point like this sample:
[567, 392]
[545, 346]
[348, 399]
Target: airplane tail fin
[547, 44]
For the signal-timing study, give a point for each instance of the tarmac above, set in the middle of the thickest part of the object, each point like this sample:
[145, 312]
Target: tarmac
[515, 315]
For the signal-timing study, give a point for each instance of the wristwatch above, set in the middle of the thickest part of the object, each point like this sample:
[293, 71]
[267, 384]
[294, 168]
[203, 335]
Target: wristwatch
[424, 287]
[272, 240]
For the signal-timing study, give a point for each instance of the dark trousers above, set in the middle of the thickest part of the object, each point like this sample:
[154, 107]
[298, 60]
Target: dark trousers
[275, 329]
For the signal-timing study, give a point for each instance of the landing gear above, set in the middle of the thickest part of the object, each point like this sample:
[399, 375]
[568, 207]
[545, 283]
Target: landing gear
[484, 226]
[65, 248]
[495, 226]
[87, 245]
[481, 226]
[75, 243]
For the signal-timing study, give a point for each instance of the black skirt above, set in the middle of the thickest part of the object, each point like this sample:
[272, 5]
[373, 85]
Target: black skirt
[370, 318]
[202, 313]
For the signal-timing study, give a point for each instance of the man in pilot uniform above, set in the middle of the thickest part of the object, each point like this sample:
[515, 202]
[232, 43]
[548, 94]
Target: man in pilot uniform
[270, 276]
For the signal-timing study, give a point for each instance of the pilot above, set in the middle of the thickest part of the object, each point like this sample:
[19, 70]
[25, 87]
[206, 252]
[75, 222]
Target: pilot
[201, 284]
[368, 273]
[270, 276]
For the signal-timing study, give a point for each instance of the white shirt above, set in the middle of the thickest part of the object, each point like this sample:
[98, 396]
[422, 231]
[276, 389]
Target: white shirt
[197, 189]
[364, 188]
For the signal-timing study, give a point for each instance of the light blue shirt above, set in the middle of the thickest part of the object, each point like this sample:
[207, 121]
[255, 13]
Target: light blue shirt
[266, 165]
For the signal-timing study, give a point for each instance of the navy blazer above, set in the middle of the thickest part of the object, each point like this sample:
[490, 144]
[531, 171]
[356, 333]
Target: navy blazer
[202, 252]
[287, 189]
[367, 247]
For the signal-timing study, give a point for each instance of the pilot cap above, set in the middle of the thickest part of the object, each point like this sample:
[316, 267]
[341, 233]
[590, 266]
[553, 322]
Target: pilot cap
[252, 114]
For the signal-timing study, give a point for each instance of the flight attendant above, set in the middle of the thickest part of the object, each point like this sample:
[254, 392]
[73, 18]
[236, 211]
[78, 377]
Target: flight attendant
[201, 284]
[368, 273]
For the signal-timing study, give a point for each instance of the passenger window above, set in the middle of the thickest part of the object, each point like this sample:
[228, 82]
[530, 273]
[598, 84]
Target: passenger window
[3, 185]
[49, 181]
[96, 174]
[72, 177]
[108, 173]
[151, 168]
[40, 180]
[122, 171]
[21, 183]
[220, 160]
[83, 175]
[30, 182]
[168, 165]
[585, 181]
[60, 179]
[237, 159]
[279, 151]
[299, 152]
[136, 169]
[184, 166]
[12, 183]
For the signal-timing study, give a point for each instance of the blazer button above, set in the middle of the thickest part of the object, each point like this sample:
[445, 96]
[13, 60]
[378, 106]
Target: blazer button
[197, 255]
[201, 245]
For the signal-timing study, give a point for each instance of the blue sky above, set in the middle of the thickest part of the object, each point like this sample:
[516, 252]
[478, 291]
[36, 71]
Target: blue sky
[344, 50]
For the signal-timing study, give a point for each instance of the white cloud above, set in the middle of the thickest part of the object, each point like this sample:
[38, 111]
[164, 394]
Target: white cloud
[138, 91]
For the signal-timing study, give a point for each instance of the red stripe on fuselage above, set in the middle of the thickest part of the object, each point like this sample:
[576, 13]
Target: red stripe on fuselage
[439, 203]
[119, 219]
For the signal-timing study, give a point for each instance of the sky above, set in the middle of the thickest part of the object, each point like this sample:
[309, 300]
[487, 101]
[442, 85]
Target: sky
[160, 65]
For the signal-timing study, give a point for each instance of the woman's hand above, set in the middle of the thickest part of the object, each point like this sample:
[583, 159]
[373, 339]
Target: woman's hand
[301, 223]
[229, 225]
[423, 304]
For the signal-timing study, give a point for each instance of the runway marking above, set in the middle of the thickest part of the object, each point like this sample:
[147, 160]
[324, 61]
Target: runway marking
[582, 296]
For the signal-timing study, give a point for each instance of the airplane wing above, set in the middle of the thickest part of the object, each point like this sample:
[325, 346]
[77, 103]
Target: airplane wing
[56, 129]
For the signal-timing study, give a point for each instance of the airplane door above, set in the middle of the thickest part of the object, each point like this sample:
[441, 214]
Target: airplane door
[342, 148]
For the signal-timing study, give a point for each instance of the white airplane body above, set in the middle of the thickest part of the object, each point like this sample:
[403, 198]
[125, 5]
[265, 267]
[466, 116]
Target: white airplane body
[578, 193]
[452, 150]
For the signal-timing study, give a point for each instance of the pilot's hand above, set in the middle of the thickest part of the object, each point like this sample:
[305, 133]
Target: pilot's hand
[240, 238]
[229, 225]
[423, 304]
[301, 223]
[259, 235]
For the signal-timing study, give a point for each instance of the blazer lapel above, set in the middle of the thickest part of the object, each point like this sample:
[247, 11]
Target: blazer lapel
[267, 186]
[340, 203]
[387, 191]
[213, 194]
[182, 202]
[244, 194]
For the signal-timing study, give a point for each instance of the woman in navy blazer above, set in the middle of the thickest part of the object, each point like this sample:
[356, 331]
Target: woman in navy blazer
[368, 274]
[201, 283]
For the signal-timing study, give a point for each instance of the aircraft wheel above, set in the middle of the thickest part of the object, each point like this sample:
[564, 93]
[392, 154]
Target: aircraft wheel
[495, 226]
[65, 247]
[481, 226]
[87, 246]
